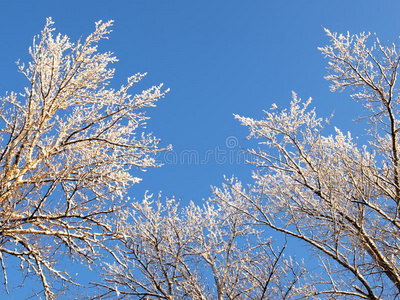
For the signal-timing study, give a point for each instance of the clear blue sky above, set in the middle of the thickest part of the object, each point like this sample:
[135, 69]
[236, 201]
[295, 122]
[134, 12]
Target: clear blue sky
[217, 57]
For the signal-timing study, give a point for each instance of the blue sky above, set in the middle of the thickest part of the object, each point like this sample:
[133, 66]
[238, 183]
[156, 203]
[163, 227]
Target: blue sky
[217, 57]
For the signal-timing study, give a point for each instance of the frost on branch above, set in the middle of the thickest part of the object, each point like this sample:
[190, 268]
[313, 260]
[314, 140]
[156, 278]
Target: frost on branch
[68, 144]
[340, 198]
[209, 252]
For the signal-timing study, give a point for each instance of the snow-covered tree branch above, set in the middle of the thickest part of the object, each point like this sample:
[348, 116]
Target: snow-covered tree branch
[339, 197]
[67, 145]
[209, 252]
